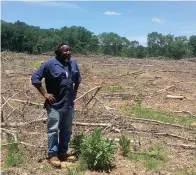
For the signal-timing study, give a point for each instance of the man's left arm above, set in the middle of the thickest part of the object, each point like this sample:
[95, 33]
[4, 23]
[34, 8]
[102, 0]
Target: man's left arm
[77, 82]
[76, 86]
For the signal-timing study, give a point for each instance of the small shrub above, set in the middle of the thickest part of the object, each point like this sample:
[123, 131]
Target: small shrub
[124, 145]
[97, 151]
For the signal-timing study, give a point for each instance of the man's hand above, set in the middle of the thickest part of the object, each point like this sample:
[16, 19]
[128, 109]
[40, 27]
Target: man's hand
[50, 98]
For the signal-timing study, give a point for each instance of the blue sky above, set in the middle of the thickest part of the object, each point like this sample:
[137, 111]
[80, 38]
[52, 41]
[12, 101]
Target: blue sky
[133, 20]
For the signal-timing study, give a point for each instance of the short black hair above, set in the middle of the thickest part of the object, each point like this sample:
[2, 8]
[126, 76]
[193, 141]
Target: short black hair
[58, 48]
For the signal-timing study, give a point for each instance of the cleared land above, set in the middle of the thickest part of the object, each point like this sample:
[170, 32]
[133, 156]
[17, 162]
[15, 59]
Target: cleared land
[153, 102]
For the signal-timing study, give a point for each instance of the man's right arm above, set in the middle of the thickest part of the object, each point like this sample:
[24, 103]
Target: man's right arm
[36, 80]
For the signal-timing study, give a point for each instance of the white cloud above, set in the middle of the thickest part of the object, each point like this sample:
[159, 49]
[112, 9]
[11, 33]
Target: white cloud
[111, 13]
[67, 5]
[158, 20]
[141, 39]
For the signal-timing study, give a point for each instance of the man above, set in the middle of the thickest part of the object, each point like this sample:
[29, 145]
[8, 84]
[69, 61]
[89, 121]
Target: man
[62, 79]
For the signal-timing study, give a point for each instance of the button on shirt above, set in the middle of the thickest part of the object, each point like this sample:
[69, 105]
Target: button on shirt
[59, 80]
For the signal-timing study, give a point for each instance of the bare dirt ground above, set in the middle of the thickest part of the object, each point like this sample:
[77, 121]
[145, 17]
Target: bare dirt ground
[125, 85]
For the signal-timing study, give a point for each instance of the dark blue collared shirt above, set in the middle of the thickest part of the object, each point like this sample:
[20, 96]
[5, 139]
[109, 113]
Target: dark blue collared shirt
[59, 80]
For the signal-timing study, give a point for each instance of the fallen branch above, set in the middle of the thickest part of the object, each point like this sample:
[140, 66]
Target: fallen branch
[9, 99]
[175, 136]
[20, 124]
[182, 145]
[130, 73]
[175, 97]
[185, 112]
[113, 128]
[117, 95]
[93, 95]
[7, 117]
[163, 134]
[8, 102]
[10, 132]
[93, 124]
[160, 91]
[97, 87]
[106, 107]
[156, 122]
[23, 143]
[166, 88]
[28, 102]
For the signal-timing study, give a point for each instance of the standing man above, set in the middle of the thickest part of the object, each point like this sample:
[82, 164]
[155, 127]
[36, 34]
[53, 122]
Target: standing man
[62, 79]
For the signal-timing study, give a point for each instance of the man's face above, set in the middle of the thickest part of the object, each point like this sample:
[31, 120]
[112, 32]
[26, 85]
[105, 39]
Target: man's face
[66, 52]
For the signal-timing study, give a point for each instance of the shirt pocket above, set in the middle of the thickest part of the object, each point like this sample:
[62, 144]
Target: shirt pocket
[56, 76]
[60, 78]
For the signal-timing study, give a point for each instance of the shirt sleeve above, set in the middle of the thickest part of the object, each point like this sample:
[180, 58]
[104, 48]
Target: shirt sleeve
[39, 74]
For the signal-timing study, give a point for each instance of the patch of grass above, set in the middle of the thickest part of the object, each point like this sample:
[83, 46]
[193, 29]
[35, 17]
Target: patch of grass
[147, 113]
[14, 155]
[78, 169]
[157, 151]
[151, 163]
[116, 88]
[124, 145]
[152, 157]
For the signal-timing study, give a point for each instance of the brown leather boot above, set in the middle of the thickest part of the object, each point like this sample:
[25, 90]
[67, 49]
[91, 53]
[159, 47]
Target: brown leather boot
[54, 161]
[67, 158]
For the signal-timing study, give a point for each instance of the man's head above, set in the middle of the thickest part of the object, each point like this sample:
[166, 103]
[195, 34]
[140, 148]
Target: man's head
[63, 51]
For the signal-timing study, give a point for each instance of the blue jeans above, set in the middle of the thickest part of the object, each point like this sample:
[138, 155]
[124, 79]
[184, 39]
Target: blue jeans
[59, 131]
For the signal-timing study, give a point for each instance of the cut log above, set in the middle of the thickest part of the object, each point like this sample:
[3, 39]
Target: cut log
[175, 97]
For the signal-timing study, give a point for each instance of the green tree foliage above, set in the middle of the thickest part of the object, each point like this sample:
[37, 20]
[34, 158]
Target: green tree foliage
[192, 44]
[22, 37]
[170, 46]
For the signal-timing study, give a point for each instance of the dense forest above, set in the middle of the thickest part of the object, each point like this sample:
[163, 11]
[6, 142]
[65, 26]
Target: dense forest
[22, 37]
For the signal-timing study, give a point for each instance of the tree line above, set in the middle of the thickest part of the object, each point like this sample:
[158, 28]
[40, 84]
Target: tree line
[22, 37]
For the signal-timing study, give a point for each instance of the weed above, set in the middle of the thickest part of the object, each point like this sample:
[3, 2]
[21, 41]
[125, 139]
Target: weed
[124, 145]
[153, 156]
[116, 88]
[97, 151]
[151, 163]
[76, 143]
[13, 155]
